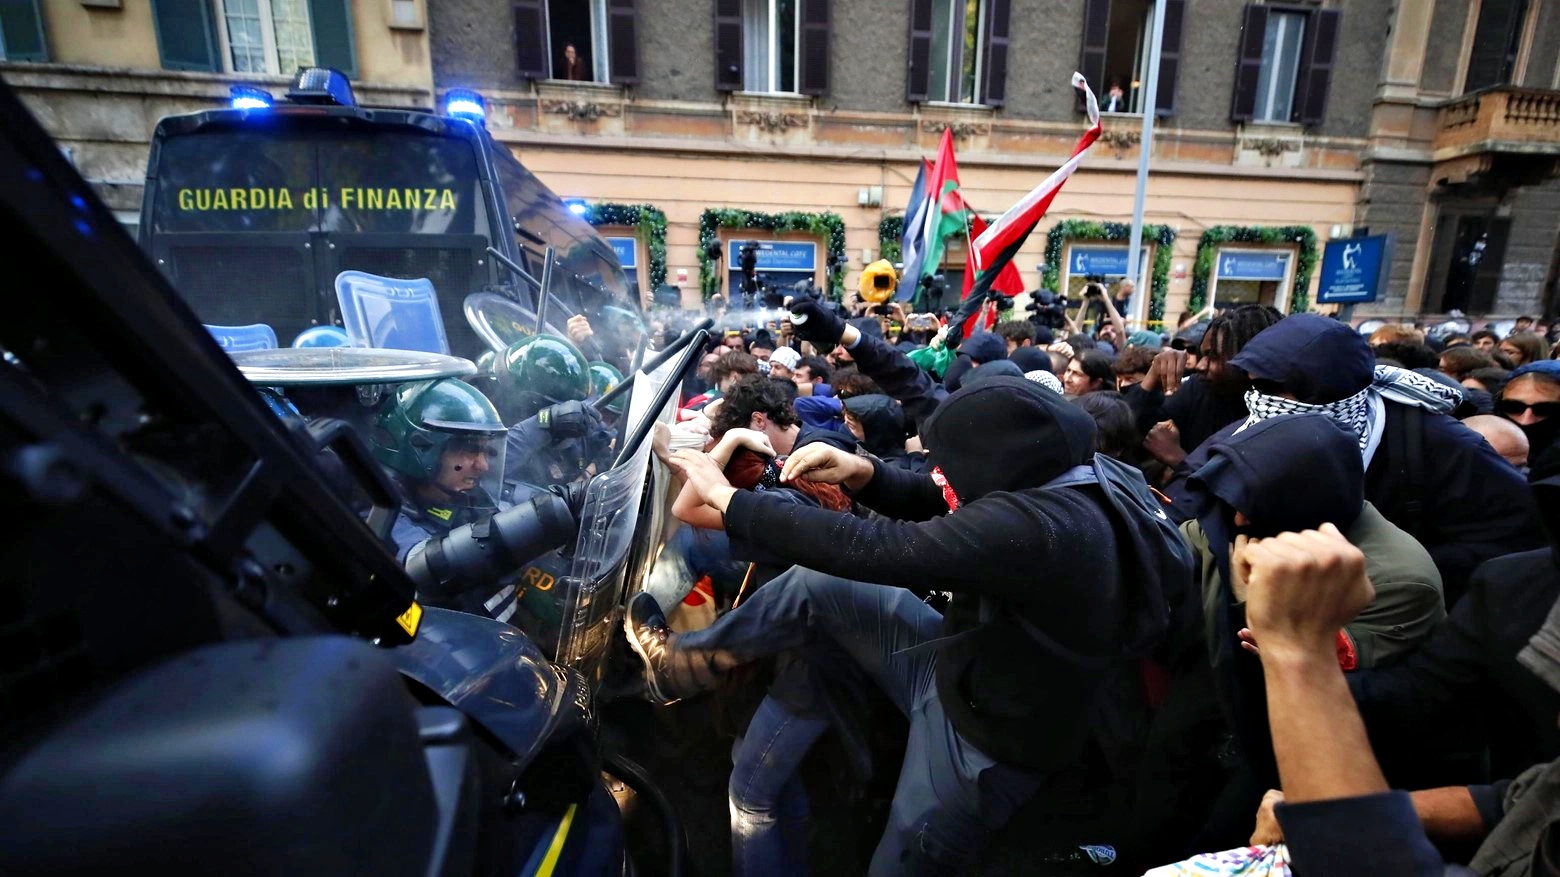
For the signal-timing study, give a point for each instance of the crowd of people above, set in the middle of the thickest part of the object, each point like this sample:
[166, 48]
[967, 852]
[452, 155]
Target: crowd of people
[1138, 597]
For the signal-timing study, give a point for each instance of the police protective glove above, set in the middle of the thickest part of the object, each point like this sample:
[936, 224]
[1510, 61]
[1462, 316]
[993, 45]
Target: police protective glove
[813, 321]
[572, 494]
[570, 419]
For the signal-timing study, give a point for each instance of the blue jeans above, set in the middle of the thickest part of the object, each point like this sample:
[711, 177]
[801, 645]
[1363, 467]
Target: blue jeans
[768, 802]
[950, 797]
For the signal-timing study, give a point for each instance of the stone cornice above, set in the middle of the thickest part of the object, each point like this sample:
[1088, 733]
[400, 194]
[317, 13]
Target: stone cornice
[731, 149]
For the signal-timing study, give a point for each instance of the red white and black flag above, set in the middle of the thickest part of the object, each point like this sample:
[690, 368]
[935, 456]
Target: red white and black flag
[995, 247]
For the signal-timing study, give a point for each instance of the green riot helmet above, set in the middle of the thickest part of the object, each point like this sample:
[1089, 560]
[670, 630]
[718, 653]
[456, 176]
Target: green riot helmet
[539, 371]
[603, 378]
[443, 433]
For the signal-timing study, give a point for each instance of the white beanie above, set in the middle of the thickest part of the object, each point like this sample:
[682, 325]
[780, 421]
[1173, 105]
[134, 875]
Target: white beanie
[785, 356]
[1045, 379]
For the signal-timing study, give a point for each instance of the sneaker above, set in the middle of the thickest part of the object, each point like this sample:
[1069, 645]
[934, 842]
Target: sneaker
[649, 635]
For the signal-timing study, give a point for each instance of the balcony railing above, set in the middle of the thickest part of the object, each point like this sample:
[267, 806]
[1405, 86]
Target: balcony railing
[1501, 120]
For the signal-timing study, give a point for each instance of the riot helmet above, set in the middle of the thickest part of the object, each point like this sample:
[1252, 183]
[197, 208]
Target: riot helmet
[445, 440]
[603, 378]
[539, 371]
[322, 336]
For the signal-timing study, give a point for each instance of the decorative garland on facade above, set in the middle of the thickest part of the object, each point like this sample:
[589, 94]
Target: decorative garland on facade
[828, 226]
[649, 224]
[1300, 235]
[891, 232]
[1162, 236]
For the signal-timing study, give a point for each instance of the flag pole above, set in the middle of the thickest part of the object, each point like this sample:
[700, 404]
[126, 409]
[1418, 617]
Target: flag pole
[1138, 306]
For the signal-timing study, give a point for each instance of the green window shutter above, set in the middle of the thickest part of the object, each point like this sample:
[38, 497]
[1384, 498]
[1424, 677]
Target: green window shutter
[21, 28]
[332, 23]
[186, 38]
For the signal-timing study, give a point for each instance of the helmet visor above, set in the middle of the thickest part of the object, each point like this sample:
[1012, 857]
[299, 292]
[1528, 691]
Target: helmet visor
[471, 466]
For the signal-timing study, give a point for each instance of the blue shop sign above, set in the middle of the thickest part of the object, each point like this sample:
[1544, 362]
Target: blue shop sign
[627, 250]
[776, 255]
[1106, 261]
[1354, 269]
[1236, 265]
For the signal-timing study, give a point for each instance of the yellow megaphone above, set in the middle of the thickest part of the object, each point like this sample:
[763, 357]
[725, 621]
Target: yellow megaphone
[878, 281]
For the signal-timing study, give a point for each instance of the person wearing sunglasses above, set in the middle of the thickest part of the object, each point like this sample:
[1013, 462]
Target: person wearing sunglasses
[1531, 400]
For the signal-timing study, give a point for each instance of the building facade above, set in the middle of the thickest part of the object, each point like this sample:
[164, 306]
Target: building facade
[687, 128]
[99, 74]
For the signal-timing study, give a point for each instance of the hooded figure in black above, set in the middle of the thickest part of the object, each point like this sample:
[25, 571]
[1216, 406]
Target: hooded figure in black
[883, 430]
[1426, 473]
[1464, 684]
[1289, 474]
[1009, 494]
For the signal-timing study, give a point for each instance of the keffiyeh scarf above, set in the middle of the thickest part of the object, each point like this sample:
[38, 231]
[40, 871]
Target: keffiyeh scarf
[1364, 413]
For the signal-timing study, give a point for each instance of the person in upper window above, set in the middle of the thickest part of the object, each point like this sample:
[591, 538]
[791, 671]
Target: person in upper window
[573, 67]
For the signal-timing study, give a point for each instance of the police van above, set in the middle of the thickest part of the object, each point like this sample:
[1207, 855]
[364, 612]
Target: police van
[254, 210]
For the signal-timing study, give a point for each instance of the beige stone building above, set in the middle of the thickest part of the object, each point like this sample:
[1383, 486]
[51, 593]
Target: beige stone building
[1281, 125]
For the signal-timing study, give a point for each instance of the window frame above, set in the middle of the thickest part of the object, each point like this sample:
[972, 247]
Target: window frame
[268, 44]
[955, 69]
[772, 73]
[1283, 13]
[600, 44]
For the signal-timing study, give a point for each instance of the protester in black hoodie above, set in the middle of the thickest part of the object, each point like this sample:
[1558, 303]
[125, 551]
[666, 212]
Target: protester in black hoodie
[983, 736]
[1423, 470]
[1178, 415]
[1289, 474]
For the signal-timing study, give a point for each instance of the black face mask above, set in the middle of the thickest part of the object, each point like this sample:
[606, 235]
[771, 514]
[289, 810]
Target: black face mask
[1541, 435]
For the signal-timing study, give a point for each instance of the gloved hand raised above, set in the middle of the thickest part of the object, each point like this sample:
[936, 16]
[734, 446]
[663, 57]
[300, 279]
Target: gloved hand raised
[569, 419]
[815, 323]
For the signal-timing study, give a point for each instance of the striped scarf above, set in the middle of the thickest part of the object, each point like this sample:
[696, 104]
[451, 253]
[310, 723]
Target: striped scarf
[1364, 413]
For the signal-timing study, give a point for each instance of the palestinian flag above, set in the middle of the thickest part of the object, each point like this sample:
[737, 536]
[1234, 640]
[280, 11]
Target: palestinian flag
[993, 250]
[944, 214]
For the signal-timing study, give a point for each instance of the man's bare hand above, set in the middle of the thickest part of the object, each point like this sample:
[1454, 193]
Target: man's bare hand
[1164, 443]
[826, 464]
[579, 329]
[1300, 589]
[1268, 830]
[1164, 373]
[1061, 347]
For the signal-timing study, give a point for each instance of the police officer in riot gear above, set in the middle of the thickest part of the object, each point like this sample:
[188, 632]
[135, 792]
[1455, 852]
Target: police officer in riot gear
[466, 548]
[543, 383]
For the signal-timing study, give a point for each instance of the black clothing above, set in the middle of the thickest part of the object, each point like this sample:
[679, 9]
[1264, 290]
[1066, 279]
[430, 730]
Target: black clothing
[1459, 499]
[1197, 409]
[1099, 605]
[1466, 676]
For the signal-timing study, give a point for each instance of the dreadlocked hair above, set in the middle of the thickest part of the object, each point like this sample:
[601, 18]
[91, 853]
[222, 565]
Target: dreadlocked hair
[1233, 329]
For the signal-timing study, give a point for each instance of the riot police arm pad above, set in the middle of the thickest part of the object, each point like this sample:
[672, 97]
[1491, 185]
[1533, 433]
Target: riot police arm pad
[481, 553]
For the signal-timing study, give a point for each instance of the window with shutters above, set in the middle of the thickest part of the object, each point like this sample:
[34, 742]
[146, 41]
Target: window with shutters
[1285, 66]
[958, 51]
[265, 36]
[1116, 51]
[573, 41]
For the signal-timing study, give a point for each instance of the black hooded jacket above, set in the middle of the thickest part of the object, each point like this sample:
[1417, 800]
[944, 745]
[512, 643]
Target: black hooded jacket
[1455, 495]
[1465, 677]
[1024, 654]
[1286, 474]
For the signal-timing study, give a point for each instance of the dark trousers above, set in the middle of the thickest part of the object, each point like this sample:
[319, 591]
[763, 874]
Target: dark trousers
[951, 796]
